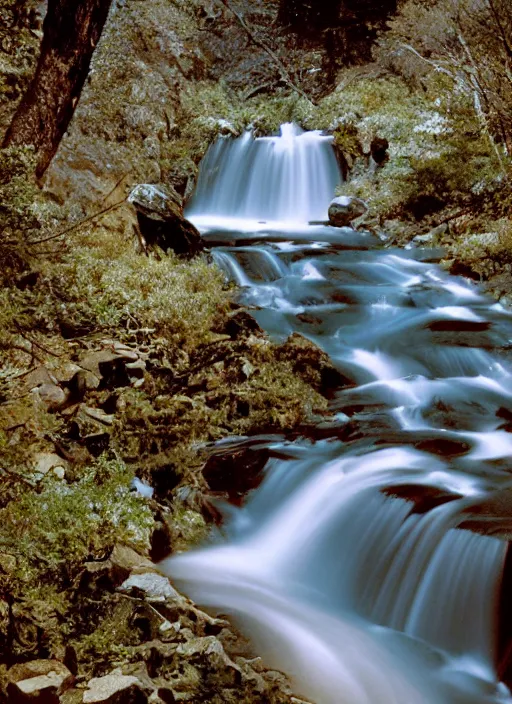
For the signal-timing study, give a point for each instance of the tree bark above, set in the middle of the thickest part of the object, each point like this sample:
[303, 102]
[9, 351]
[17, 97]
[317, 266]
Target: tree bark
[71, 31]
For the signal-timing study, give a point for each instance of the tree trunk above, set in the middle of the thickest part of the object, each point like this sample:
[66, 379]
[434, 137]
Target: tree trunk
[71, 31]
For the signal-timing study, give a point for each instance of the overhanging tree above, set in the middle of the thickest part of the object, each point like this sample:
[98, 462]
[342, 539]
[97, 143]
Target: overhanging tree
[71, 31]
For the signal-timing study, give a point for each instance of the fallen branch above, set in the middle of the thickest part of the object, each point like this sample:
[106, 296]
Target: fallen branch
[71, 228]
[282, 70]
[33, 342]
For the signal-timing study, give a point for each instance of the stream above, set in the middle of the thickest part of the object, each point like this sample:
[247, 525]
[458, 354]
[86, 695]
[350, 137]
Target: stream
[364, 565]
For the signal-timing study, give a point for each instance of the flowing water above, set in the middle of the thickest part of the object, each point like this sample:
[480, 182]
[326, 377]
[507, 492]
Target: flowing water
[355, 567]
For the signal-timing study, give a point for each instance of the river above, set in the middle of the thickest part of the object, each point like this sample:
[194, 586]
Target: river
[364, 565]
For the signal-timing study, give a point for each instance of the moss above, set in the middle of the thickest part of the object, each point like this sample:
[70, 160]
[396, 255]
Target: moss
[52, 532]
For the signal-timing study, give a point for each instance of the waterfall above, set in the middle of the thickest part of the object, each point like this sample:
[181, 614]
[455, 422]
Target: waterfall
[352, 567]
[290, 178]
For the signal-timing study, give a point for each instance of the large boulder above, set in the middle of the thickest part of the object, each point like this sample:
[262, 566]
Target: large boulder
[38, 681]
[344, 209]
[161, 221]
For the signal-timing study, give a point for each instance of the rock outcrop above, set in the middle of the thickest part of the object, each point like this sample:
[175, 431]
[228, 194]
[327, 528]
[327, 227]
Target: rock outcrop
[161, 221]
[343, 210]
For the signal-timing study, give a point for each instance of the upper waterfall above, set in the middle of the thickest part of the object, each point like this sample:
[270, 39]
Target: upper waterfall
[290, 178]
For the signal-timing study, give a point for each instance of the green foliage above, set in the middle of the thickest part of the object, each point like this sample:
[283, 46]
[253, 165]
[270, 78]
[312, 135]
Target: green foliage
[182, 299]
[19, 44]
[52, 532]
[18, 218]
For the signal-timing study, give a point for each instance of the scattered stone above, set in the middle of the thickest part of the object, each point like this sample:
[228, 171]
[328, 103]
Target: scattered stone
[53, 396]
[427, 238]
[38, 681]
[91, 361]
[136, 369]
[124, 558]
[161, 221]
[115, 688]
[116, 569]
[98, 415]
[44, 462]
[59, 472]
[344, 209]
[39, 376]
[128, 354]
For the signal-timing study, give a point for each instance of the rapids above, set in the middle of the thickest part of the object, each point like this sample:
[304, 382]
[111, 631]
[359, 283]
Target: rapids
[341, 567]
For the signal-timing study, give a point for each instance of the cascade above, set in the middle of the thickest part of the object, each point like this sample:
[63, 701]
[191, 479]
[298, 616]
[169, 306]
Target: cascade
[353, 567]
[288, 178]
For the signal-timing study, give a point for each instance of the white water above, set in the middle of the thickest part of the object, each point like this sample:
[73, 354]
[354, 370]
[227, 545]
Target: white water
[360, 598]
[286, 179]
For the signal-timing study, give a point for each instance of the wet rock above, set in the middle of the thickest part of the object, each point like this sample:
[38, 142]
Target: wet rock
[344, 209]
[161, 221]
[38, 681]
[423, 497]
[236, 473]
[115, 688]
[491, 515]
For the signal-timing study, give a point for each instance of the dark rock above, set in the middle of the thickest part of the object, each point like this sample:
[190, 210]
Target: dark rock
[235, 473]
[77, 387]
[241, 324]
[161, 221]
[458, 326]
[312, 364]
[379, 150]
[344, 209]
[114, 374]
[97, 443]
[27, 280]
[161, 541]
[444, 447]
[425, 498]
[70, 330]
[461, 269]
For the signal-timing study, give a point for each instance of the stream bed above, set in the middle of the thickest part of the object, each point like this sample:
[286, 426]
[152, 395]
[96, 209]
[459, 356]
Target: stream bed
[370, 564]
